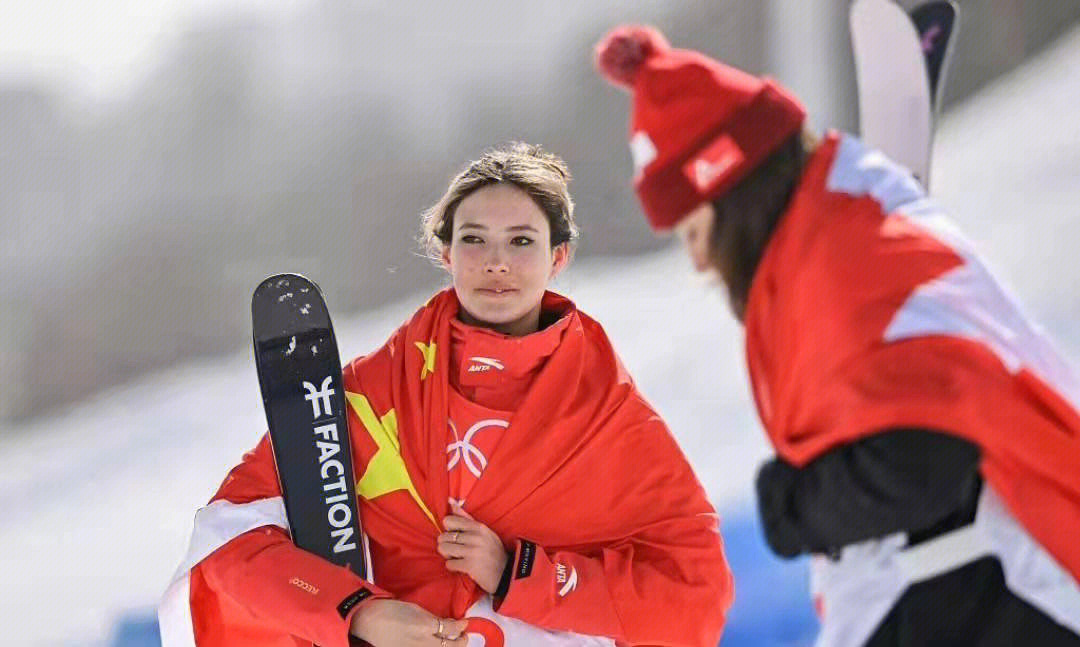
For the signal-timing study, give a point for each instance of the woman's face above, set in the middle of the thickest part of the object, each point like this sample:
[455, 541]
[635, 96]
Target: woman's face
[501, 260]
[695, 231]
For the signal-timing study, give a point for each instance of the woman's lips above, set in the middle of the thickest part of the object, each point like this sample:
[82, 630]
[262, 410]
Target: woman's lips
[496, 292]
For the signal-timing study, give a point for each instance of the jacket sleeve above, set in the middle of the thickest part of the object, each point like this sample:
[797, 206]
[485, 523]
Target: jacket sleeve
[911, 480]
[261, 570]
[669, 586]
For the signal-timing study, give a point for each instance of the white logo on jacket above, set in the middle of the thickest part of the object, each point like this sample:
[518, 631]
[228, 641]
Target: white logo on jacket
[569, 582]
[484, 364]
[462, 450]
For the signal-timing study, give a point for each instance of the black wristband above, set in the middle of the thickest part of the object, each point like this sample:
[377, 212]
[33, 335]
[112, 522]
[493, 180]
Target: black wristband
[504, 579]
[352, 600]
[525, 561]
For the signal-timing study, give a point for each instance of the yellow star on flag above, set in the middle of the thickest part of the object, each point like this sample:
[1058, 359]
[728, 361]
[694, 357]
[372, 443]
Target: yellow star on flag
[386, 471]
[428, 351]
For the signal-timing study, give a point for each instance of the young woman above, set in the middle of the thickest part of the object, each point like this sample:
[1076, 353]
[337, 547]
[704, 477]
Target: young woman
[507, 468]
[927, 435]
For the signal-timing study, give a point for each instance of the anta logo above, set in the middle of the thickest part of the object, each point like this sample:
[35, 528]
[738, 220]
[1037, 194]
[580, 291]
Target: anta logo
[481, 364]
[568, 581]
[301, 584]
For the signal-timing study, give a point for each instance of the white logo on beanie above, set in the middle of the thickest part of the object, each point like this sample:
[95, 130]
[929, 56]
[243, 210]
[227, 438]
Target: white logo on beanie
[706, 172]
[642, 150]
[709, 167]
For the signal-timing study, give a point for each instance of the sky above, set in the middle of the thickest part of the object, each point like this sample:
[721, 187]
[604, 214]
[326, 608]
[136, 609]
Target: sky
[99, 48]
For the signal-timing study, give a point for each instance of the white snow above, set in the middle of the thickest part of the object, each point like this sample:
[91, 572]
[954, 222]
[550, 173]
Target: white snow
[97, 502]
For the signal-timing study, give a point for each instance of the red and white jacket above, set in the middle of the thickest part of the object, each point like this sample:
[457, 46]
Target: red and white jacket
[614, 541]
[869, 312]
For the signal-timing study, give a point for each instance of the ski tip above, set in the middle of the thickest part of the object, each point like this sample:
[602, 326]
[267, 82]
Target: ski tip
[284, 286]
[287, 303]
[864, 15]
[284, 281]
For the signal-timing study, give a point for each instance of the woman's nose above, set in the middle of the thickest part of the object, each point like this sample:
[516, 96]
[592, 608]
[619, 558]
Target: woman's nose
[495, 262]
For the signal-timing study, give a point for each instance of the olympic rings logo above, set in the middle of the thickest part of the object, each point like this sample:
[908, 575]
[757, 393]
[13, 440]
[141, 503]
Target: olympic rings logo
[464, 451]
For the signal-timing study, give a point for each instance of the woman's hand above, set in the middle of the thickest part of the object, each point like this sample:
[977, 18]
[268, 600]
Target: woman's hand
[386, 623]
[472, 548]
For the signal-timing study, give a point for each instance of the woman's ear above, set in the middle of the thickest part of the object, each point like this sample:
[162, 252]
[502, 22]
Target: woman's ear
[560, 258]
[444, 256]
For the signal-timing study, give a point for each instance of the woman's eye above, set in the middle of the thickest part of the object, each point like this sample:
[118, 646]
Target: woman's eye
[521, 241]
[471, 239]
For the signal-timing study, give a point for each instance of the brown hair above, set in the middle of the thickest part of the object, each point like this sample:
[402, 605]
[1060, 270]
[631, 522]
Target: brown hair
[745, 217]
[543, 176]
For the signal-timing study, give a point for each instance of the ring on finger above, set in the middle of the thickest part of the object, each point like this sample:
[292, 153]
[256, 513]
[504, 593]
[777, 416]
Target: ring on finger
[439, 630]
[457, 534]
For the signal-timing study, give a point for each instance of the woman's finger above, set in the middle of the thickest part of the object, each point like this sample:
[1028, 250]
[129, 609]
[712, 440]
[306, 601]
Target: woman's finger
[452, 537]
[450, 630]
[457, 566]
[459, 537]
[460, 512]
[454, 628]
[451, 550]
[454, 522]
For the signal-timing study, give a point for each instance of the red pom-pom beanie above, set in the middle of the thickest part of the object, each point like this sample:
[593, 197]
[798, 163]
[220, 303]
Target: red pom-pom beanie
[697, 126]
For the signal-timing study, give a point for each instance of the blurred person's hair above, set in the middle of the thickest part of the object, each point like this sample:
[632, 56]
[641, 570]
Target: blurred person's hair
[543, 176]
[746, 216]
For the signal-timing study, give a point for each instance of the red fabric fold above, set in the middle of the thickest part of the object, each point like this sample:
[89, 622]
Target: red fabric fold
[585, 466]
[834, 276]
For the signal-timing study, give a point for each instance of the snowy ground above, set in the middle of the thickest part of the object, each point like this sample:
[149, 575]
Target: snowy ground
[98, 501]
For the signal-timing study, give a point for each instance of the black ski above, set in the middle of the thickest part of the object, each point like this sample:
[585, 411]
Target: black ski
[299, 370]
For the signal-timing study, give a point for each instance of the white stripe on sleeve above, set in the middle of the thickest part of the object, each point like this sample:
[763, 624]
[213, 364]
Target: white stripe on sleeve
[215, 525]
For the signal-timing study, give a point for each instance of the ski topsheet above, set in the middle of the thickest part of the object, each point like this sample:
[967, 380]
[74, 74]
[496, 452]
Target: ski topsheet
[299, 370]
[900, 64]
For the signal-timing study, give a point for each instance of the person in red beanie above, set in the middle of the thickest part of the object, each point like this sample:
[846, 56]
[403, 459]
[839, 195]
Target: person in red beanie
[508, 471]
[927, 434]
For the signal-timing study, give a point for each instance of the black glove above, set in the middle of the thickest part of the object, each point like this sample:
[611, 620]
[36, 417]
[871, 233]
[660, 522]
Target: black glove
[775, 484]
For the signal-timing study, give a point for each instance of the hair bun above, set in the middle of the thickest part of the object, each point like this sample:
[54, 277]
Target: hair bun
[622, 52]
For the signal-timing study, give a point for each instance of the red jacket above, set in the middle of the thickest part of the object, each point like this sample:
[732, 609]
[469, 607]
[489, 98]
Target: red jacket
[613, 536]
[869, 312]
